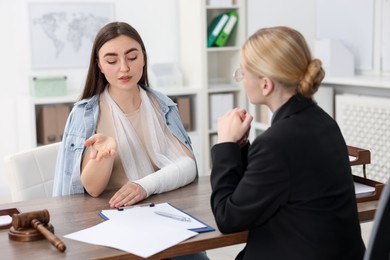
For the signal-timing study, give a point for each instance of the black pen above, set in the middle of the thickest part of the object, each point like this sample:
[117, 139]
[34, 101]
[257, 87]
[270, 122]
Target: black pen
[151, 204]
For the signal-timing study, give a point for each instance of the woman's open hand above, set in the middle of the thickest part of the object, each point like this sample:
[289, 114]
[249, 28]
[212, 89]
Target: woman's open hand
[102, 146]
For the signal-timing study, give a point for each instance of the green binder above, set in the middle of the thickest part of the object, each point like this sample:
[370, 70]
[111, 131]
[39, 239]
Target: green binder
[215, 28]
[227, 30]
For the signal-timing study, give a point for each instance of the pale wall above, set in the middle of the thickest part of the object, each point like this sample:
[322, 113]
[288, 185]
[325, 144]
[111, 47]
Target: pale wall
[156, 21]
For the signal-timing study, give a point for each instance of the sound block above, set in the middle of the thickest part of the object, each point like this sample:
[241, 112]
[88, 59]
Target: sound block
[27, 234]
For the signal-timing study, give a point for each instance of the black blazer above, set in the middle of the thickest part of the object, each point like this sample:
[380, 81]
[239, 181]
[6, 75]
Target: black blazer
[292, 189]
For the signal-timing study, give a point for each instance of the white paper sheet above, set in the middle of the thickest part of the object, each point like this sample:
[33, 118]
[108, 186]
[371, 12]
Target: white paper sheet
[135, 235]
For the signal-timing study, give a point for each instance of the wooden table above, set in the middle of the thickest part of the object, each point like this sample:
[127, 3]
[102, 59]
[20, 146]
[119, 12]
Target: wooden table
[73, 213]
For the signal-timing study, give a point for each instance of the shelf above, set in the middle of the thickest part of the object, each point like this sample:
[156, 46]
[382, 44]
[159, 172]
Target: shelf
[369, 81]
[212, 132]
[232, 7]
[223, 49]
[211, 68]
[54, 100]
[30, 109]
[221, 66]
[221, 88]
[184, 91]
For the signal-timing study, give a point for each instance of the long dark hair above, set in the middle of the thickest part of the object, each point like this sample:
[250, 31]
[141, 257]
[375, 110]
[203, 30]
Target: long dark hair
[96, 81]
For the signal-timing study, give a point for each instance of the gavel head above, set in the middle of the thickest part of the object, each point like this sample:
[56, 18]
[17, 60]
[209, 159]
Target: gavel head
[23, 220]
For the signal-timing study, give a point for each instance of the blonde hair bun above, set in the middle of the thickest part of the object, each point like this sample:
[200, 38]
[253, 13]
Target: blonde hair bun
[311, 81]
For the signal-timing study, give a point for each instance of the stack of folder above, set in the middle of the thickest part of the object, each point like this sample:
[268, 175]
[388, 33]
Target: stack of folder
[221, 29]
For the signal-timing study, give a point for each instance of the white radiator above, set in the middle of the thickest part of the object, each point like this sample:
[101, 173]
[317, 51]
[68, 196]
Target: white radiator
[365, 123]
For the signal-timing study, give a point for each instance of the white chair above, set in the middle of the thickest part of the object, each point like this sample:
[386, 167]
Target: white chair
[30, 173]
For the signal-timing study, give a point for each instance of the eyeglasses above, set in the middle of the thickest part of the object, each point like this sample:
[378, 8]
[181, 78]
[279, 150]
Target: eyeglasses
[238, 75]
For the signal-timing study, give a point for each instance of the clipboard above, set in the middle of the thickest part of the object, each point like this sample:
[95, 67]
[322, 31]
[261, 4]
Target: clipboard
[206, 228]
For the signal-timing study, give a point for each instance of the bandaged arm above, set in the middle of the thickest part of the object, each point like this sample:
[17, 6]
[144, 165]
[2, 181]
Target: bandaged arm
[170, 177]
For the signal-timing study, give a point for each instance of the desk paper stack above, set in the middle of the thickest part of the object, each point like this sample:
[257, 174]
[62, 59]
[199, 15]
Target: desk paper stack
[361, 188]
[140, 230]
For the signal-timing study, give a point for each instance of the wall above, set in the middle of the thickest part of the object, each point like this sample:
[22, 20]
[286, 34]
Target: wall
[156, 21]
[311, 17]
[298, 14]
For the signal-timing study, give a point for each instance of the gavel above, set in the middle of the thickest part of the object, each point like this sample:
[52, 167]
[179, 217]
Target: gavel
[37, 220]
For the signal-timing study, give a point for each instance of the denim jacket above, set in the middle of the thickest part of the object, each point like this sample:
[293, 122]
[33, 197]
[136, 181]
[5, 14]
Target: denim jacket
[81, 125]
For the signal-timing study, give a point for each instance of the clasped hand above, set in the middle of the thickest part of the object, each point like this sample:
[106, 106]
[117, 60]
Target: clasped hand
[234, 126]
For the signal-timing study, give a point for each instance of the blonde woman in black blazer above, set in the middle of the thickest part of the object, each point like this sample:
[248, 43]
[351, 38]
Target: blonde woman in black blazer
[292, 188]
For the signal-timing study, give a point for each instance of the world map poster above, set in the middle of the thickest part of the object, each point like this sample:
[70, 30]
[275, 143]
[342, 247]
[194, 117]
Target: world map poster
[62, 34]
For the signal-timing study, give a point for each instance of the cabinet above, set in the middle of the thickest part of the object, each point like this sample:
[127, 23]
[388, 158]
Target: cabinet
[210, 69]
[29, 110]
[362, 110]
[36, 112]
[192, 119]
